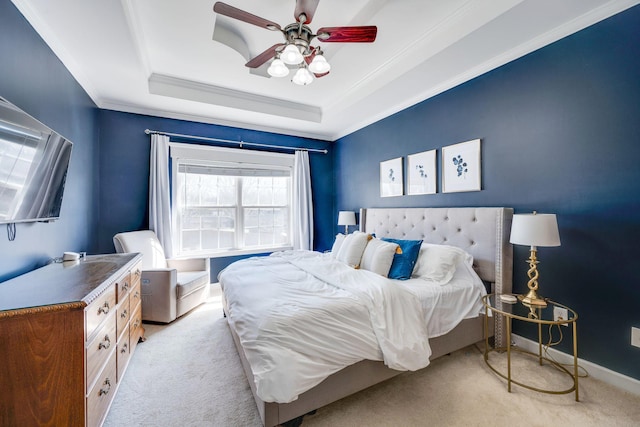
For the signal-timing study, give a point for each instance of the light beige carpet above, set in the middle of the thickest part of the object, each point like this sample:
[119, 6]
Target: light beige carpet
[188, 374]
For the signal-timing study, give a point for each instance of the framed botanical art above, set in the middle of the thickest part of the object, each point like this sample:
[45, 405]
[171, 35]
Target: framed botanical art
[391, 178]
[421, 172]
[461, 167]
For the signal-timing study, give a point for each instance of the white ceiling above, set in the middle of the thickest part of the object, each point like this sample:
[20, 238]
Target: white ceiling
[159, 57]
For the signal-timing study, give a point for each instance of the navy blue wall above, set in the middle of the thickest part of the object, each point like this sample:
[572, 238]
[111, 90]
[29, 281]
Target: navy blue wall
[559, 129]
[124, 173]
[33, 78]
[560, 132]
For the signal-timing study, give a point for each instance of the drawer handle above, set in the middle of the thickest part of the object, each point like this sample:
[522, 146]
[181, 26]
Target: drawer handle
[124, 349]
[123, 315]
[125, 286]
[136, 295]
[136, 324]
[106, 343]
[104, 391]
[137, 273]
[104, 309]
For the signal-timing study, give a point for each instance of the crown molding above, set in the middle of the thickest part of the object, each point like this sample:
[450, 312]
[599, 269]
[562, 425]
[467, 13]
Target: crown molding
[108, 104]
[194, 91]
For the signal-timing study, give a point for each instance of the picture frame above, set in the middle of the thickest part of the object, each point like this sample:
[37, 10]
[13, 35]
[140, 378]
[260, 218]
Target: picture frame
[460, 166]
[421, 173]
[391, 178]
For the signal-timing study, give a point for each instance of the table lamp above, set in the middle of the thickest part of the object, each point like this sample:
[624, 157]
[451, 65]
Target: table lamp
[534, 230]
[346, 218]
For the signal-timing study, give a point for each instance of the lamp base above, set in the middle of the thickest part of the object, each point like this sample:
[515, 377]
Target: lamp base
[532, 299]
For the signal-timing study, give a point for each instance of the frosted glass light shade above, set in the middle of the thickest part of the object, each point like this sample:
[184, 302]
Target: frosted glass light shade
[302, 77]
[535, 230]
[291, 55]
[277, 68]
[319, 65]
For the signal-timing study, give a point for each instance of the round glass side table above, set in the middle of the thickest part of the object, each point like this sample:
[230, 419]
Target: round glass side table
[520, 312]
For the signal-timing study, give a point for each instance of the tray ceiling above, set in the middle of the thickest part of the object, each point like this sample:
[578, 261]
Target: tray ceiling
[179, 60]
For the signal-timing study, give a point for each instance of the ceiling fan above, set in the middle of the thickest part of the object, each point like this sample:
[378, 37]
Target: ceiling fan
[297, 49]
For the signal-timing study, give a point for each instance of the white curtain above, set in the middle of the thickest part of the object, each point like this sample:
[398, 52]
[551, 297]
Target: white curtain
[159, 203]
[302, 202]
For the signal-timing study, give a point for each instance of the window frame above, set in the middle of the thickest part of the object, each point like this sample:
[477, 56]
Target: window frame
[205, 155]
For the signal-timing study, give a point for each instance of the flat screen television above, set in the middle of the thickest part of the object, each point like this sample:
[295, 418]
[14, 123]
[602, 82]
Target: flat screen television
[33, 167]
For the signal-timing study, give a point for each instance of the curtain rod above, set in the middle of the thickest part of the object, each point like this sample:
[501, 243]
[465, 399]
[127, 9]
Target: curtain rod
[227, 141]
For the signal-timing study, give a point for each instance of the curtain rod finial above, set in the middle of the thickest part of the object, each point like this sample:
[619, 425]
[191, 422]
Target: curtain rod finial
[147, 131]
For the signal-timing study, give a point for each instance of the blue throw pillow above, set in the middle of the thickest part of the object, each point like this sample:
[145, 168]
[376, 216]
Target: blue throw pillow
[403, 263]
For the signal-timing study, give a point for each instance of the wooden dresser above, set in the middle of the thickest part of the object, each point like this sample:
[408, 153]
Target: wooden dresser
[67, 333]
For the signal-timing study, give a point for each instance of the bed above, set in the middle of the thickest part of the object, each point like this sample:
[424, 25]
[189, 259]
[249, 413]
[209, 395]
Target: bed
[482, 232]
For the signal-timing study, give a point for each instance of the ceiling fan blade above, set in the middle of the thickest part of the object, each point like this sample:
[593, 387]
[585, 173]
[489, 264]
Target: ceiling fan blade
[364, 34]
[306, 7]
[235, 13]
[264, 56]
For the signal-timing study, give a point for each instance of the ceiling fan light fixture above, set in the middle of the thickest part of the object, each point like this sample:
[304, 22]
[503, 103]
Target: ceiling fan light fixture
[291, 55]
[277, 68]
[302, 77]
[319, 65]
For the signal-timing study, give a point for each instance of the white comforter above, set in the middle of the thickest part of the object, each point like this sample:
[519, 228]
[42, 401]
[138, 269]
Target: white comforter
[302, 316]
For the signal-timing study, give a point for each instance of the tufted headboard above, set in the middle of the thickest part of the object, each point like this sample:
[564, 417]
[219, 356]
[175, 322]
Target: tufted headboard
[483, 232]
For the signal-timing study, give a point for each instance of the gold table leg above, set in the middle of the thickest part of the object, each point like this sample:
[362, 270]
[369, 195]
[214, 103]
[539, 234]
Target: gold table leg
[508, 322]
[540, 343]
[486, 334]
[575, 359]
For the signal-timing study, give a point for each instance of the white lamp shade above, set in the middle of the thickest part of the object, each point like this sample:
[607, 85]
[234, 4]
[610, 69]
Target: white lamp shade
[277, 68]
[302, 77]
[291, 55]
[535, 230]
[346, 218]
[319, 65]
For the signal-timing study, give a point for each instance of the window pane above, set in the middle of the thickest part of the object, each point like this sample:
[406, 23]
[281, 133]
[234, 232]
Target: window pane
[251, 217]
[192, 189]
[249, 191]
[281, 235]
[251, 237]
[211, 209]
[266, 217]
[190, 219]
[210, 239]
[190, 240]
[280, 196]
[280, 217]
[266, 236]
[227, 190]
[265, 189]
[227, 239]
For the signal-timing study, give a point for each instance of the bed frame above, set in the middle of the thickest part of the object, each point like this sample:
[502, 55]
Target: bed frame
[483, 232]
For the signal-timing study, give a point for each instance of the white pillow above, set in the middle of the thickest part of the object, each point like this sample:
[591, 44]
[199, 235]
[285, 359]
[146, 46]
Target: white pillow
[437, 263]
[352, 248]
[336, 245]
[378, 256]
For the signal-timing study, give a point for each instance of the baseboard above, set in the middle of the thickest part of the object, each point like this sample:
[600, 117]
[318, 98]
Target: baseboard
[596, 371]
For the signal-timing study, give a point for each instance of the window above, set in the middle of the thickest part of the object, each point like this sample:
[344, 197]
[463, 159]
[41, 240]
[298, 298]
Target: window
[228, 201]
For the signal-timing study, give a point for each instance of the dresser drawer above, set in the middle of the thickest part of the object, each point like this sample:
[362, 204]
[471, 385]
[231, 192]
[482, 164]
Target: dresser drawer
[99, 310]
[135, 296]
[136, 331]
[100, 348]
[123, 313]
[123, 353]
[123, 285]
[101, 394]
[136, 274]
